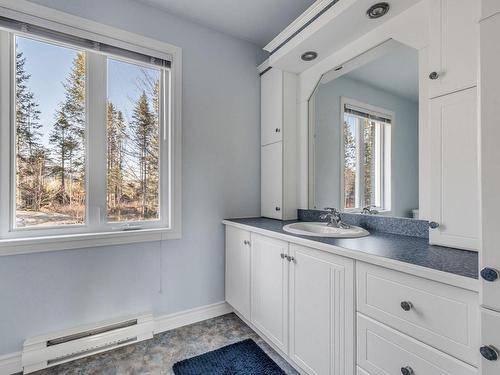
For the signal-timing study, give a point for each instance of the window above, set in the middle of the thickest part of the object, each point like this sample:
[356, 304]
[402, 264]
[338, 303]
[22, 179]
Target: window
[88, 131]
[367, 156]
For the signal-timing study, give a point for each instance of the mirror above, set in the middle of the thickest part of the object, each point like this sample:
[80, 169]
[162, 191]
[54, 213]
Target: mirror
[363, 134]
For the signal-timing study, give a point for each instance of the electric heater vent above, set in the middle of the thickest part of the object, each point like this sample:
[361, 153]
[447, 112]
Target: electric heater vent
[92, 332]
[60, 347]
[85, 353]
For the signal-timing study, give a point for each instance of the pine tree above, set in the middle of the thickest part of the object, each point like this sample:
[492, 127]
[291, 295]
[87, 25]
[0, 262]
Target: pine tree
[144, 131]
[30, 153]
[68, 136]
[115, 150]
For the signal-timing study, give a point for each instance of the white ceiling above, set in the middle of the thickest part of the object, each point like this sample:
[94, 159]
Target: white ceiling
[395, 72]
[257, 21]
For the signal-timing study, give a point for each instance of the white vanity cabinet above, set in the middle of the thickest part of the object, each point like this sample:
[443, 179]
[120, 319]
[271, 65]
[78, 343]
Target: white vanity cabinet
[278, 144]
[269, 296]
[238, 270]
[321, 311]
[453, 48]
[302, 300]
[329, 312]
[454, 170]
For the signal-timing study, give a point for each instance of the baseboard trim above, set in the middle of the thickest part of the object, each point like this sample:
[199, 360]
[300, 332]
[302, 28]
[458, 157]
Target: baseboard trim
[184, 318]
[11, 363]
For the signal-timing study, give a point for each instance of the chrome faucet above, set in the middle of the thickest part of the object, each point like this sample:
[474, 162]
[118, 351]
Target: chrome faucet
[333, 217]
[368, 210]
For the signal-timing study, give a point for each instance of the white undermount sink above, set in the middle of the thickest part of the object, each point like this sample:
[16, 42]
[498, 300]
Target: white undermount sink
[323, 230]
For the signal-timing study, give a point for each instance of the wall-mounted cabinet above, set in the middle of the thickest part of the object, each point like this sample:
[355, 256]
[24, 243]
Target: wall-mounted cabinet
[453, 45]
[278, 144]
[454, 167]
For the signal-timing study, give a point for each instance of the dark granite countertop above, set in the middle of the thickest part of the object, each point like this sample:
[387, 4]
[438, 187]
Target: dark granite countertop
[412, 250]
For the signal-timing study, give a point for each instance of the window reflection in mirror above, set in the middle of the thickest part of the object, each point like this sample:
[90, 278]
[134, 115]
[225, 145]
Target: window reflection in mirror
[363, 144]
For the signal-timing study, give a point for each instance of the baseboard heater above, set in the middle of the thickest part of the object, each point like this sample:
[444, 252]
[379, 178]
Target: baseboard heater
[59, 347]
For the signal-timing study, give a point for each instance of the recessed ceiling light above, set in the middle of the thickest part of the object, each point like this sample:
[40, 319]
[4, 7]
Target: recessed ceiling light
[309, 56]
[378, 10]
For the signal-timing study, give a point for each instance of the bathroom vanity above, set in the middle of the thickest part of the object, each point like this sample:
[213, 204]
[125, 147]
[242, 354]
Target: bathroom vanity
[395, 300]
[382, 116]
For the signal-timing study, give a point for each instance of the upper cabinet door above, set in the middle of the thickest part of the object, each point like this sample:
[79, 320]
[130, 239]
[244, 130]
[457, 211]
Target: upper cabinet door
[270, 289]
[454, 36]
[454, 170]
[271, 106]
[321, 311]
[272, 181]
[490, 163]
[238, 270]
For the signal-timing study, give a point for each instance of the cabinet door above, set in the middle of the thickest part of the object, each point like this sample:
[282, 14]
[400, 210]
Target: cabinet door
[270, 289]
[238, 270]
[454, 170]
[454, 35]
[321, 312]
[272, 180]
[271, 106]
[490, 332]
[490, 159]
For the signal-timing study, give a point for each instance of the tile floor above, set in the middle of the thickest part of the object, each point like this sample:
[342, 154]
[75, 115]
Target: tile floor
[157, 356]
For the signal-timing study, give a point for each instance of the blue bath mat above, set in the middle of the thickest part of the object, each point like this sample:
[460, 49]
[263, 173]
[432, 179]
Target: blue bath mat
[243, 358]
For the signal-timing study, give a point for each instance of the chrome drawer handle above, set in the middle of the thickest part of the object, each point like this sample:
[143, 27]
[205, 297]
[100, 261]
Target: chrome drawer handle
[490, 274]
[434, 75]
[406, 305]
[433, 225]
[407, 370]
[489, 352]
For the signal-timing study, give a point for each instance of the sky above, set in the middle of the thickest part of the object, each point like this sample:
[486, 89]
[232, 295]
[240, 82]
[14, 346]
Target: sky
[50, 64]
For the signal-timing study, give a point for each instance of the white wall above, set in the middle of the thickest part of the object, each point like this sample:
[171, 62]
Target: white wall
[404, 135]
[221, 178]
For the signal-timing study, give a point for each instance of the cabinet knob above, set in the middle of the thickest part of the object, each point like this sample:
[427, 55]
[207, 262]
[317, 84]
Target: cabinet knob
[277, 208]
[283, 256]
[434, 75]
[490, 274]
[278, 130]
[246, 242]
[433, 225]
[406, 305]
[489, 352]
[407, 370]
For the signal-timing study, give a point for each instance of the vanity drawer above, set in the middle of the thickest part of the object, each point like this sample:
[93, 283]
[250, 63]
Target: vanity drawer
[440, 315]
[384, 351]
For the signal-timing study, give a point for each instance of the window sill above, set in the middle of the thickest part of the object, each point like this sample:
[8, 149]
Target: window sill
[18, 246]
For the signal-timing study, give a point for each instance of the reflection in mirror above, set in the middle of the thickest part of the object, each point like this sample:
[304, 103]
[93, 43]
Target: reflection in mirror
[363, 127]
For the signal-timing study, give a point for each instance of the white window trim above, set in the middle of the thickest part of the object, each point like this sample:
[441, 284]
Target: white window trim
[63, 22]
[387, 159]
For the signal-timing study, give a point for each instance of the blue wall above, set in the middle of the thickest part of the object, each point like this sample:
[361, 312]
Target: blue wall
[221, 178]
[328, 142]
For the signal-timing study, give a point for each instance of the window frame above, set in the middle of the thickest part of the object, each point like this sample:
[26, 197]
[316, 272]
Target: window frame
[97, 231]
[385, 157]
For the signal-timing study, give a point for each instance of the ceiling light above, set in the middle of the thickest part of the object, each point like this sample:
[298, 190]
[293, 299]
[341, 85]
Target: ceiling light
[378, 10]
[309, 56]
